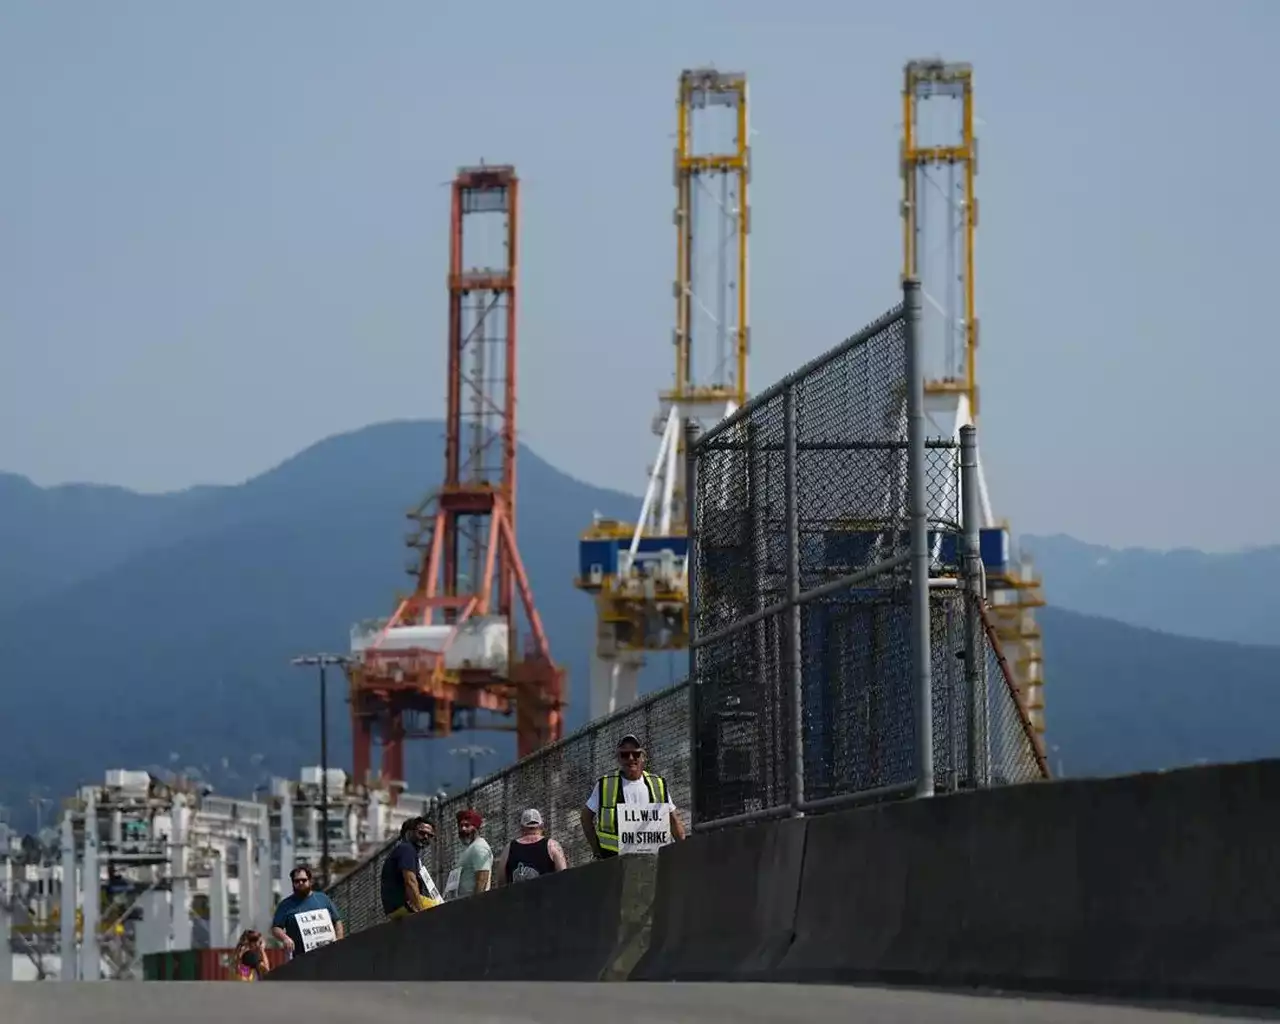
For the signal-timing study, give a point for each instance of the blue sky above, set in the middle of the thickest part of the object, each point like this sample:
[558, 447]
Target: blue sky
[222, 230]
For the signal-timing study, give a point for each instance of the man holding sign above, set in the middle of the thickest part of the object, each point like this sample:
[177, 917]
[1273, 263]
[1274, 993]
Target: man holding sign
[407, 885]
[629, 810]
[307, 919]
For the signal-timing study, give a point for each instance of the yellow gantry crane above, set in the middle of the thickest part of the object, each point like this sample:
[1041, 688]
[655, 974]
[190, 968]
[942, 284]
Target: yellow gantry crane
[940, 219]
[638, 572]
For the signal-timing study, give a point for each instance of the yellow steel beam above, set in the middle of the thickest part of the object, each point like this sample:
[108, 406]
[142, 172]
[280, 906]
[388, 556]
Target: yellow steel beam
[697, 89]
[923, 79]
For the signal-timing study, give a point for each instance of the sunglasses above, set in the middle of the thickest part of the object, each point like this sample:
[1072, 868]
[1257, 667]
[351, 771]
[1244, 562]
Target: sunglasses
[630, 755]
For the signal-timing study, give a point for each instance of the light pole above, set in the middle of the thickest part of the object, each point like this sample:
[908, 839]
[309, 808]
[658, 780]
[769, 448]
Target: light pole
[471, 752]
[323, 661]
[39, 801]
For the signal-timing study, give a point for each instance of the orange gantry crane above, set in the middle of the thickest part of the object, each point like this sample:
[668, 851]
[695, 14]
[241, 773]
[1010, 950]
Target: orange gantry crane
[449, 658]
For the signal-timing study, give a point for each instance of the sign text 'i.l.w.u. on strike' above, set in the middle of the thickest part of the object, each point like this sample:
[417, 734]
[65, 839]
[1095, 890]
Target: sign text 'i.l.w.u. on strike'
[316, 929]
[643, 828]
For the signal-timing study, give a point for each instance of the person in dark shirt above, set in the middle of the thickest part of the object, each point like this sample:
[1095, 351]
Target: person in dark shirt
[306, 919]
[531, 854]
[407, 887]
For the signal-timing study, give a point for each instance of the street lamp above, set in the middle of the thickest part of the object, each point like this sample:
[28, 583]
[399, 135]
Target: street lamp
[323, 661]
[471, 752]
[39, 801]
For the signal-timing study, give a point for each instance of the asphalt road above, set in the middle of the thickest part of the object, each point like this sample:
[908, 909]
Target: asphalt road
[541, 1003]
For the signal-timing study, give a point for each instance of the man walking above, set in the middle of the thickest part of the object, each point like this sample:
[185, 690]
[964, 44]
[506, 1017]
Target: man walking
[629, 783]
[407, 887]
[305, 919]
[475, 863]
[531, 854]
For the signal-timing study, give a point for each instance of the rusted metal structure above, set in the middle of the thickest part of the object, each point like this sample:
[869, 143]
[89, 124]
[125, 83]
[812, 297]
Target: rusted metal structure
[450, 657]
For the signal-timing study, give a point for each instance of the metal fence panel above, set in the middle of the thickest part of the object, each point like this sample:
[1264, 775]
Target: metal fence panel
[846, 750]
[805, 487]
[805, 688]
[858, 695]
[1016, 754]
[557, 780]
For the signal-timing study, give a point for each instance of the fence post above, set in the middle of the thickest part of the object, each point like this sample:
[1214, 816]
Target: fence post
[765, 672]
[795, 678]
[691, 596]
[975, 663]
[954, 698]
[918, 509]
[435, 811]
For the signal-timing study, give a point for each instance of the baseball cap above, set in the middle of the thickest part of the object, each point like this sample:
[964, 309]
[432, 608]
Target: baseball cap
[530, 817]
[630, 738]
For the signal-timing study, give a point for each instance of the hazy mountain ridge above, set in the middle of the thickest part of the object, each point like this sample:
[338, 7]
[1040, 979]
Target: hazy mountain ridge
[1191, 593]
[160, 632]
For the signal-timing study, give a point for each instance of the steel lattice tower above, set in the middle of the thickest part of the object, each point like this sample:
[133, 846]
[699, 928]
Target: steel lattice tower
[940, 220]
[449, 658]
[638, 573]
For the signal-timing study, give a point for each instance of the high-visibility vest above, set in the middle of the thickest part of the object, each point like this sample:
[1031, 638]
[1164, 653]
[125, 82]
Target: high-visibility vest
[609, 790]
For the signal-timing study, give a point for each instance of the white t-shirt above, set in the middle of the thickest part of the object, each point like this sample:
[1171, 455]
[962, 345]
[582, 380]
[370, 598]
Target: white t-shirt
[476, 856]
[634, 791]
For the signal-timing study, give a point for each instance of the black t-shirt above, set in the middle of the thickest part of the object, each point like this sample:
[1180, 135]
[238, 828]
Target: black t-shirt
[529, 860]
[403, 857]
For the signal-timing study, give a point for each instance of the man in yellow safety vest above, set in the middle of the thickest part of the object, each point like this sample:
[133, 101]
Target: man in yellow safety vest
[629, 783]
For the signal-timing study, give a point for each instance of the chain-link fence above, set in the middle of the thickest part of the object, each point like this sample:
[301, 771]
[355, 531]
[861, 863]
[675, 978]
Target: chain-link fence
[1015, 753]
[801, 636]
[1000, 734]
[840, 740]
[557, 780]
[825, 531]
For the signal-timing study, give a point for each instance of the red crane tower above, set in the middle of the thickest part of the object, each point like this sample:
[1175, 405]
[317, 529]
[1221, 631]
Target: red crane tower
[450, 652]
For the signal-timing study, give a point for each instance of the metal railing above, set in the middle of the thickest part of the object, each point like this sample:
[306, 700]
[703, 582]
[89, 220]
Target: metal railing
[832, 656]
[841, 650]
[557, 780]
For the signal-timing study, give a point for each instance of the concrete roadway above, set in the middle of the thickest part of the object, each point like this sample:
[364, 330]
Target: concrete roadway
[545, 1003]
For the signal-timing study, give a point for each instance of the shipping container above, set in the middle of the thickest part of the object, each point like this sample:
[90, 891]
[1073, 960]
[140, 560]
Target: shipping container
[198, 964]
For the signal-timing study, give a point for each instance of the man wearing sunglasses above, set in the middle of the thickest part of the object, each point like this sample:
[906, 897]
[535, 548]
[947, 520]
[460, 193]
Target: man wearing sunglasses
[407, 886]
[305, 919]
[630, 783]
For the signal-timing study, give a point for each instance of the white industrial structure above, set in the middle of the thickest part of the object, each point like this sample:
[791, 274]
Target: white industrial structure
[939, 157]
[638, 573]
[482, 641]
[158, 866]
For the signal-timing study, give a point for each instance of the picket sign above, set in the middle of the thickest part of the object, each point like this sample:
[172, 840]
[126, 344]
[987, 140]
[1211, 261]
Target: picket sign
[316, 929]
[429, 889]
[643, 828]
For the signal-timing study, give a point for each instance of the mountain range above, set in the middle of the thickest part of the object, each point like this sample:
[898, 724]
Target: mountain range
[155, 631]
[1210, 596]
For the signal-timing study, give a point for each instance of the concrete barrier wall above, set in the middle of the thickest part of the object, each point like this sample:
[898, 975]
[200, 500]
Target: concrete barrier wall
[591, 923]
[1151, 886]
[726, 908]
